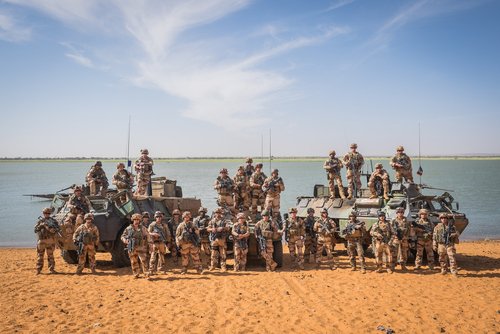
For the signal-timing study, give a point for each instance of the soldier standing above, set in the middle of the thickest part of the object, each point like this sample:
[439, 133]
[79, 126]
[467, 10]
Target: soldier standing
[122, 179]
[265, 230]
[310, 237]
[86, 237]
[256, 181]
[381, 174]
[46, 229]
[173, 223]
[400, 245]
[218, 229]
[355, 232]
[353, 161]
[382, 232]
[240, 234]
[146, 222]
[97, 180]
[333, 167]
[401, 163]
[295, 233]
[445, 238]
[225, 189]
[325, 229]
[201, 222]
[144, 169]
[249, 169]
[160, 235]
[187, 237]
[423, 229]
[136, 237]
[273, 186]
[79, 205]
[241, 187]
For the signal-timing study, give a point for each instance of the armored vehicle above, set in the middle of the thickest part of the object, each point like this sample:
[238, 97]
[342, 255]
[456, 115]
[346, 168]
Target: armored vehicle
[112, 215]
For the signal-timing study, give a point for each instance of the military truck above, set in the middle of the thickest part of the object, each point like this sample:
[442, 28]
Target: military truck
[112, 215]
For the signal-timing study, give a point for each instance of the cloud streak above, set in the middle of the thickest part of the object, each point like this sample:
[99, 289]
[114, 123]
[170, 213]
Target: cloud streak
[11, 30]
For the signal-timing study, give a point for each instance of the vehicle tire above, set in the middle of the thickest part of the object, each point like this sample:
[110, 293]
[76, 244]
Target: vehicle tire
[119, 255]
[278, 253]
[69, 256]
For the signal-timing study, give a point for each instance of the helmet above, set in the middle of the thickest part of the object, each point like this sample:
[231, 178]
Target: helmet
[223, 171]
[400, 148]
[185, 214]
[332, 153]
[249, 160]
[202, 209]
[275, 171]
[325, 210]
[240, 215]
[310, 210]
[353, 214]
[291, 210]
[98, 163]
[423, 211]
[377, 166]
[136, 216]
[144, 151]
[158, 214]
[400, 209]
[381, 213]
[259, 165]
[443, 215]
[219, 210]
[264, 213]
[241, 168]
[176, 212]
[145, 214]
[88, 216]
[47, 210]
[120, 164]
[77, 188]
[354, 145]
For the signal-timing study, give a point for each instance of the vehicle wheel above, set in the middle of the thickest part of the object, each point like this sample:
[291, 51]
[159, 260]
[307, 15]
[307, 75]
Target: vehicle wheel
[70, 256]
[278, 253]
[119, 255]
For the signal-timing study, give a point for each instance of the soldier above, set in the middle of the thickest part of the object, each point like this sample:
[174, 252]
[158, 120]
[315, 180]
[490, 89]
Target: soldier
[310, 237]
[264, 230]
[79, 205]
[201, 222]
[188, 238]
[423, 230]
[256, 181]
[46, 229]
[97, 180]
[333, 167]
[146, 222]
[241, 187]
[218, 230]
[122, 179]
[399, 244]
[445, 238]
[249, 169]
[325, 230]
[295, 233]
[86, 237]
[382, 233]
[273, 186]
[355, 232]
[144, 169]
[401, 163]
[381, 174]
[173, 223]
[136, 237]
[160, 235]
[240, 234]
[225, 188]
[353, 161]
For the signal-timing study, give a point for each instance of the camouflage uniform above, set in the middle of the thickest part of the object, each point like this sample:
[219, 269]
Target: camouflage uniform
[145, 222]
[381, 174]
[325, 229]
[138, 254]
[401, 163]
[256, 181]
[399, 243]
[97, 180]
[79, 204]
[225, 189]
[274, 186]
[423, 230]
[201, 222]
[89, 233]
[187, 246]
[295, 233]
[249, 169]
[267, 230]
[122, 179]
[241, 188]
[355, 232]
[46, 229]
[218, 230]
[382, 232]
[353, 161]
[333, 167]
[240, 234]
[144, 169]
[446, 250]
[160, 243]
[173, 223]
[310, 242]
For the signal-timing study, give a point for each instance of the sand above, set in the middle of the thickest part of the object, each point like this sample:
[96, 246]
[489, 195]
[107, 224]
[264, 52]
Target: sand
[314, 300]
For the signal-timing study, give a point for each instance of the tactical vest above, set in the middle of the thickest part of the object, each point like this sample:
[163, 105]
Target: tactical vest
[325, 229]
[219, 235]
[309, 226]
[293, 228]
[241, 229]
[385, 230]
[356, 233]
[267, 229]
[225, 185]
[425, 230]
[441, 231]
[138, 237]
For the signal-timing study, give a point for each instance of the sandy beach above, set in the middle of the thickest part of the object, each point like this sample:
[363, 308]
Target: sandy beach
[313, 300]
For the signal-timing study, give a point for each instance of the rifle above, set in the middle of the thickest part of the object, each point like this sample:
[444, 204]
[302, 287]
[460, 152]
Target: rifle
[262, 243]
[310, 231]
[354, 170]
[271, 184]
[447, 234]
[287, 237]
[158, 230]
[241, 242]
[325, 228]
[131, 241]
[333, 167]
[225, 183]
[52, 223]
[351, 227]
[402, 162]
[193, 237]
[79, 244]
[201, 226]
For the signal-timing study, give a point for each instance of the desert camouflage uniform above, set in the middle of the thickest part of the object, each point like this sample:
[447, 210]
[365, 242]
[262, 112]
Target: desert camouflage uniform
[225, 189]
[273, 194]
[310, 241]
[138, 255]
[267, 229]
[406, 170]
[355, 243]
[145, 222]
[144, 169]
[295, 233]
[90, 242]
[399, 247]
[381, 174]
[249, 170]
[218, 242]
[256, 181]
[187, 247]
[333, 167]
[159, 246]
[241, 187]
[123, 180]
[353, 162]
[97, 181]
[68, 227]
[423, 230]
[447, 252]
[46, 243]
[325, 229]
[382, 233]
[201, 222]
[80, 205]
[174, 246]
[240, 245]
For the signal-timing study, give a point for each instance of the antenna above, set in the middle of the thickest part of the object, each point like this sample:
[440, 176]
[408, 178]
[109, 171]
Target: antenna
[262, 148]
[270, 156]
[129, 163]
[420, 171]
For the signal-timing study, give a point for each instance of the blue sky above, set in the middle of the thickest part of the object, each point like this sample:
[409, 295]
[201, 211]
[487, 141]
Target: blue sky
[210, 78]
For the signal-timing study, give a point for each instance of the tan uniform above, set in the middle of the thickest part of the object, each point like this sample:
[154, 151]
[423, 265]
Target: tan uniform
[383, 176]
[144, 169]
[382, 233]
[201, 222]
[218, 241]
[225, 189]
[123, 180]
[241, 188]
[353, 162]
[445, 238]
[406, 169]
[184, 235]
[258, 197]
[423, 230]
[333, 167]
[138, 244]
[47, 236]
[295, 233]
[310, 241]
[175, 249]
[97, 181]
[325, 229]
[240, 234]
[80, 203]
[399, 243]
[266, 231]
[89, 234]
[274, 187]
[159, 245]
[355, 233]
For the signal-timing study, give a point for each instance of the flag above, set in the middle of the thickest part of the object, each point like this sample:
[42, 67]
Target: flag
[420, 171]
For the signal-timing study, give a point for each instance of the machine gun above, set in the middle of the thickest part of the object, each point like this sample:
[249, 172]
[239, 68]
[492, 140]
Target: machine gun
[79, 244]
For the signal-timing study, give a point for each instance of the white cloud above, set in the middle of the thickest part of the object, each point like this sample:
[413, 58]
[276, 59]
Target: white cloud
[338, 4]
[11, 31]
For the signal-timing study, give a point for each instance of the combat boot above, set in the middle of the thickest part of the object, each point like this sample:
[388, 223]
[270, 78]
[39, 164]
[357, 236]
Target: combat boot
[306, 259]
[333, 267]
[389, 270]
[353, 268]
[403, 267]
[379, 269]
[454, 273]
[223, 269]
[184, 270]
[38, 271]
[274, 266]
[268, 268]
[301, 266]
[416, 268]
[78, 272]
[443, 271]
[363, 270]
[199, 270]
[431, 266]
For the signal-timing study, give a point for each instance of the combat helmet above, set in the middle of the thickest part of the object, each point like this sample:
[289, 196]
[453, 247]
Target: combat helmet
[223, 171]
[292, 210]
[136, 216]
[381, 213]
[158, 214]
[88, 216]
[185, 214]
[310, 210]
[264, 213]
[275, 171]
[98, 163]
[202, 209]
[249, 160]
[145, 214]
[354, 145]
[120, 164]
[240, 215]
[325, 210]
[144, 151]
[259, 165]
[379, 165]
[332, 153]
[423, 211]
[47, 210]
[400, 148]
[176, 212]
[443, 215]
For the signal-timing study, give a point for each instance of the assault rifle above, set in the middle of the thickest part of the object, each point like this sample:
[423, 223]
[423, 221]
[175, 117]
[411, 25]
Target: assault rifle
[200, 224]
[402, 162]
[226, 183]
[351, 227]
[447, 233]
[310, 231]
[192, 236]
[325, 228]
[262, 243]
[241, 242]
[131, 241]
[79, 244]
[52, 224]
[333, 167]
[158, 230]
[271, 185]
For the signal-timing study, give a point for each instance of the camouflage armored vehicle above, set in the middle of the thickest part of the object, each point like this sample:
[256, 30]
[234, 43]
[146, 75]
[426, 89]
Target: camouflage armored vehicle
[112, 215]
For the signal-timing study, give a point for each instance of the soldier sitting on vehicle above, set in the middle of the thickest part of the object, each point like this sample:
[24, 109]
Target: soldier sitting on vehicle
[97, 180]
[122, 179]
[380, 175]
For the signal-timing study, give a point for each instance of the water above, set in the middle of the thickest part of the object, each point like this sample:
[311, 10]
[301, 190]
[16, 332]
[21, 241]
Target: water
[476, 185]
